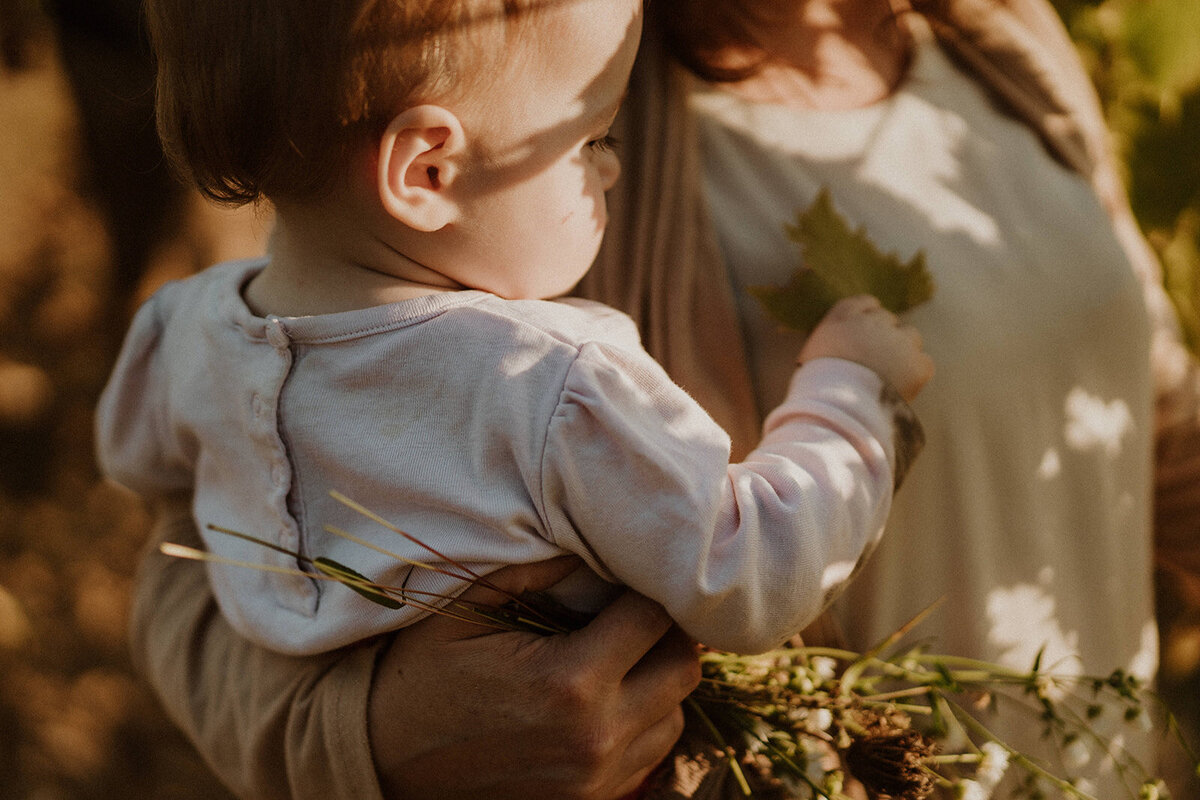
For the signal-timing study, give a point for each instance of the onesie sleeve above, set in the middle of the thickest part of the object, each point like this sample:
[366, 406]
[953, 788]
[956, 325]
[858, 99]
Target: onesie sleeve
[637, 480]
[134, 445]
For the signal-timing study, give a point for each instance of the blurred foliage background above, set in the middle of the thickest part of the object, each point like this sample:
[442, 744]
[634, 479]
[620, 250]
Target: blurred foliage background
[1144, 58]
[89, 223]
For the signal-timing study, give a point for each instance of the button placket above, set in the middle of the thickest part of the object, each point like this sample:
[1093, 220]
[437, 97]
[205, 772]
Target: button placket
[297, 593]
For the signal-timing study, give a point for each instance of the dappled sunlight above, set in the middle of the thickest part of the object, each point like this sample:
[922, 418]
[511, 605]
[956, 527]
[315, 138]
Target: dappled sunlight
[1096, 425]
[15, 628]
[1091, 425]
[25, 392]
[836, 574]
[1145, 660]
[1023, 622]
[1051, 465]
[76, 721]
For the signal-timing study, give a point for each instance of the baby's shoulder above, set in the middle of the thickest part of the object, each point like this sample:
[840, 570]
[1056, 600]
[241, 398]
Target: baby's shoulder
[572, 322]
[179, 310]
[207, 292]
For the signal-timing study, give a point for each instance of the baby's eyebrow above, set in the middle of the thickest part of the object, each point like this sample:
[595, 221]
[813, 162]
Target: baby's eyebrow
[609, 113]
[620, 101]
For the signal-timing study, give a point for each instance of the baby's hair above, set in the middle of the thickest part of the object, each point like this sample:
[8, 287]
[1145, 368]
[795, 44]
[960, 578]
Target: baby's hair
[269, 98]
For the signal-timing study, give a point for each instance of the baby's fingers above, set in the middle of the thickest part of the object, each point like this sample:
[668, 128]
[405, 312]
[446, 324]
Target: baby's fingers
[913, 335]
[857, 304]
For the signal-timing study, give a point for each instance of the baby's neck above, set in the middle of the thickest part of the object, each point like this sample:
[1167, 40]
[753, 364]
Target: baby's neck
[319, 267]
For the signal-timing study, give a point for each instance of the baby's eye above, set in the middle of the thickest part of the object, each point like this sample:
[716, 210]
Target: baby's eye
[604, 144]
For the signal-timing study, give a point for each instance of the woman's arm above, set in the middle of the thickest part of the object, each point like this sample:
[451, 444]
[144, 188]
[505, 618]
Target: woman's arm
[452, 713]
[269, 726]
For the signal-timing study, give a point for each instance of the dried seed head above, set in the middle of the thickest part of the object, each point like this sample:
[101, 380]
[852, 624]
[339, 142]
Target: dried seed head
[890, 764]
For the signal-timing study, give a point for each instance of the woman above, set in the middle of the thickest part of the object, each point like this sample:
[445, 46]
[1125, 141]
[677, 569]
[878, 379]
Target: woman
[969, 132]
[966, 131]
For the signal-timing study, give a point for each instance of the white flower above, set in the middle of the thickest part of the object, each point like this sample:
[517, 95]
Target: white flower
[970, 790]
[816, 765]
[820, 719]
[1076, 754]
[992, 766]
[1085, 786]
[801, 683]
[823, 667]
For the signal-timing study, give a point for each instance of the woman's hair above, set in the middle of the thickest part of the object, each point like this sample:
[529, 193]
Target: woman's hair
[268, 98]
[696, 32]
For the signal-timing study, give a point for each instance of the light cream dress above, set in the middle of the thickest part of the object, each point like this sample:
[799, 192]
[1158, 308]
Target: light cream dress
[1029, 511]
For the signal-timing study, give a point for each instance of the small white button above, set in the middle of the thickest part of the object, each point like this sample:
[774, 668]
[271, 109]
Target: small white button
[276, 333]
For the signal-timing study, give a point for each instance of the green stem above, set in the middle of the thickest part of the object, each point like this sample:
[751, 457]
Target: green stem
[975, 725]
[796, 771]
[914, 691]
[955, 758]
[720, 740]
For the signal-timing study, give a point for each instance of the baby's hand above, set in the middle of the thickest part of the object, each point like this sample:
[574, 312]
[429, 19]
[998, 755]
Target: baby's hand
[859, 329]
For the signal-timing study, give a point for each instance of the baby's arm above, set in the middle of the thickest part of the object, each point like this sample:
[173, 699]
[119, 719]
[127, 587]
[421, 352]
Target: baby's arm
[637, 480]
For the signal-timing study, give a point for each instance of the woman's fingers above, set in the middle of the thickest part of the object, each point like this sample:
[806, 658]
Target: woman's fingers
[648, 750]
[620, 636]
[666, 675]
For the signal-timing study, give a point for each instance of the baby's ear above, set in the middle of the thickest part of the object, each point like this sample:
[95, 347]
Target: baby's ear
[418, 156]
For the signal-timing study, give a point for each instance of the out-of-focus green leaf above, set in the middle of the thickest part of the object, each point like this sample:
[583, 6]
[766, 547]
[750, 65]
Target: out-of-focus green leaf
[1163, 157]
[1163, 38]
[1069, 10]
[840, 262]
[1144, 58]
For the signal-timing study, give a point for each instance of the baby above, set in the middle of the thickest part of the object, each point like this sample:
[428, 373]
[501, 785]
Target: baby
[438, 172]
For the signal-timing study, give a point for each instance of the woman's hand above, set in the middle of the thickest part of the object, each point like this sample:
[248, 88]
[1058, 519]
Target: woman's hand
[457, 711]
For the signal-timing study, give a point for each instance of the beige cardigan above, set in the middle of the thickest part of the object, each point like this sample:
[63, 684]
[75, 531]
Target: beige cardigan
[272, 726]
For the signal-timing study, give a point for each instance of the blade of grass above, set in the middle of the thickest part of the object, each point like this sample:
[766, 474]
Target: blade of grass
[475, 577]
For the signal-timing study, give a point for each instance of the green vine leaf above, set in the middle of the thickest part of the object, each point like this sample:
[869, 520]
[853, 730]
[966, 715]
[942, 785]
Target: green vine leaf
[840, 262]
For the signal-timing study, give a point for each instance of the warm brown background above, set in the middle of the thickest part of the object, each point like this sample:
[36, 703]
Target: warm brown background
[77, 231]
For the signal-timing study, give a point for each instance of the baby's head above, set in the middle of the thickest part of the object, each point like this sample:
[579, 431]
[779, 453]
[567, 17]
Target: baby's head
[476, 128]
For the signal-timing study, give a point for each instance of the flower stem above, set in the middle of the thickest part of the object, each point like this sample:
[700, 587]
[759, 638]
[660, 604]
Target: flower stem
[720, 740]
